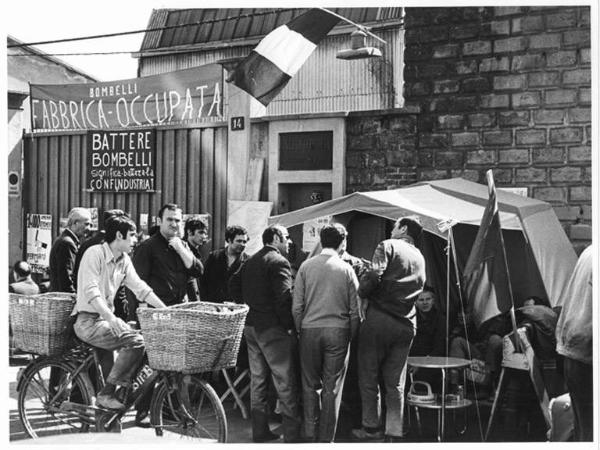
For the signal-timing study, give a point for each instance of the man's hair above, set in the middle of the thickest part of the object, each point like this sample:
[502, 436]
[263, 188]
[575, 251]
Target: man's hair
[123, 224]
[76, 214]
[22, 269]
[332, 235]
[413, 226]
[193, 224]
[170, 207]
[110, 213]
[234, 230]
[270, 233]
[428, 288]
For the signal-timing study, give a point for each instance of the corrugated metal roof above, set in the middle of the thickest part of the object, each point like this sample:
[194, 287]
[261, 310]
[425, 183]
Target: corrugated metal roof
[241, 24]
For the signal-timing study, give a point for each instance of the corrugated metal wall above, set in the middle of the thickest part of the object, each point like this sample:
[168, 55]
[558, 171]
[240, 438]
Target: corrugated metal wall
[191, 170]
[324, 83]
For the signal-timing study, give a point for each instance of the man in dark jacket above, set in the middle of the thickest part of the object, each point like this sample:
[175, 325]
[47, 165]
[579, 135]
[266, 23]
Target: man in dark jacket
[221, 264]
[165, 261]
[196, 235]
[264, 283]
[64, 250]
[389, 291]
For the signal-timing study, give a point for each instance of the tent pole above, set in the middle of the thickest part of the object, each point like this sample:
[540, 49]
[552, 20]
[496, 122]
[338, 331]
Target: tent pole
[448, 248]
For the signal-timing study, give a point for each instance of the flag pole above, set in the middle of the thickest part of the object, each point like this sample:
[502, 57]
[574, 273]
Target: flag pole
[491, 186]
[357, 25]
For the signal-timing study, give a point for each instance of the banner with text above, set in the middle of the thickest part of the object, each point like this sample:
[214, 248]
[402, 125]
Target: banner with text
[182, 97]
[121, 161]
[39, 241]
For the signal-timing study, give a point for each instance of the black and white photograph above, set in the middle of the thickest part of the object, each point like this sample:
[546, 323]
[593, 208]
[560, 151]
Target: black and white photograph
[301, 223]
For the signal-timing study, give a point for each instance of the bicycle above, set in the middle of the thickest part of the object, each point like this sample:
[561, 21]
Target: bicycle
[184, 405]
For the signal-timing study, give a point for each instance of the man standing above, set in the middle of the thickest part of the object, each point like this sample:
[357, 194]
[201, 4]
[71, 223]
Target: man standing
[196, 235]
[264, 283]
[325, 310]
[389, 291]
[23, 283]
[165, 261]
[574, 339]
[64, 250]
[223, 263]
[104, 268]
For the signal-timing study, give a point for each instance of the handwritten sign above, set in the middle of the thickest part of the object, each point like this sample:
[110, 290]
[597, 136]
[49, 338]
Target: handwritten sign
[180, 97]
[39, 241]
[121, 161]
[311, 232]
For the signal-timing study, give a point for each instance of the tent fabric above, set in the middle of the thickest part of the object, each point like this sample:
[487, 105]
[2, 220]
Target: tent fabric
[463, 202]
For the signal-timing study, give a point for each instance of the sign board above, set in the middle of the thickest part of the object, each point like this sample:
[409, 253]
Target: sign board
[252, 215]
[311, 230]
[181, 97]
[14, 184]
[39, 241]
[237, 123]
[121, 161]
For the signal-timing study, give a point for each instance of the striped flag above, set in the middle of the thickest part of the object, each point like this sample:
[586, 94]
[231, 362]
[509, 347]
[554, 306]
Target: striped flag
[281, 53]
[485, 276]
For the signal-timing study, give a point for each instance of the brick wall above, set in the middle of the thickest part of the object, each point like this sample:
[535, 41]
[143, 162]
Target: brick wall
[507, 88]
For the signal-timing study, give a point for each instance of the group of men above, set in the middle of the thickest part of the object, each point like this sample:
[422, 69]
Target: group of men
[166, 269]
[322, 309]
[298, 331]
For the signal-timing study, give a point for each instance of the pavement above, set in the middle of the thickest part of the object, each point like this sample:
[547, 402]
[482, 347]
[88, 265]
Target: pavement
[524, 425]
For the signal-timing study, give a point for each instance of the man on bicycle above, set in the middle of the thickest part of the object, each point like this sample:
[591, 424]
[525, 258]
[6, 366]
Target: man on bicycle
[104, 268]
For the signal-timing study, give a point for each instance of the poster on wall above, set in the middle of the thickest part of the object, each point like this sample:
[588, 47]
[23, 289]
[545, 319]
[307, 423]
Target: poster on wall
[39, 241]
[252, 215]
[311, 230]
[121, 161]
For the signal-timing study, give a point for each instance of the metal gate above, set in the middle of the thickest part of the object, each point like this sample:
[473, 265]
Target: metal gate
[191, 170]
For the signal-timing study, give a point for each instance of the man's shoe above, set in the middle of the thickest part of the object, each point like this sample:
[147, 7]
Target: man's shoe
[363, 435]
[267, 437]
[109, 402]
[142, 420]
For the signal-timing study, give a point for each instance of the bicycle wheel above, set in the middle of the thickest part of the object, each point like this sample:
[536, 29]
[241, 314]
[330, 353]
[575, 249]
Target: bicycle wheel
[40, 408]
[201, 416]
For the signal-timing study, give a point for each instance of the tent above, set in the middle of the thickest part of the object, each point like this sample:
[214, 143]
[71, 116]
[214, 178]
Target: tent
[540, 257]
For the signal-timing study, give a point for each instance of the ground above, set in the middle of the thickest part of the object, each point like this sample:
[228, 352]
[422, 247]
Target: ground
[522, 422]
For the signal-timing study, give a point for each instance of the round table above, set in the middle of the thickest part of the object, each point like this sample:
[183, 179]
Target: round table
[442, 363]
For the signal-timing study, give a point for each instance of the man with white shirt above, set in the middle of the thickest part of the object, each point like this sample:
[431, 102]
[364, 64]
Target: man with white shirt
[104, 268]
[325, 311]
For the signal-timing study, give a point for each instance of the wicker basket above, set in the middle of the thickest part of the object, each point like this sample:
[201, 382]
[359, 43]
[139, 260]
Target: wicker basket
[40, 323]
[193, 337]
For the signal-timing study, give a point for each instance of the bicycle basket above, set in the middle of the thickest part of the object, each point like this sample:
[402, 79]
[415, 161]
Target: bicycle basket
[193, 337]
[40, 323]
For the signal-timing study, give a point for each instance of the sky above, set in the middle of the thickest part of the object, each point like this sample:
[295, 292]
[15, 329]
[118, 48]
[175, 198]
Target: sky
[37, 20]
[43, 20]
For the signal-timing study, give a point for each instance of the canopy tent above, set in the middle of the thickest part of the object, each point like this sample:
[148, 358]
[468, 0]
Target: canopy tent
[540, 256]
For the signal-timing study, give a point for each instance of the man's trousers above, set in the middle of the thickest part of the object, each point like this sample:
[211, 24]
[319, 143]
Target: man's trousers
[324, 354]
[383, 347]
[271, 353]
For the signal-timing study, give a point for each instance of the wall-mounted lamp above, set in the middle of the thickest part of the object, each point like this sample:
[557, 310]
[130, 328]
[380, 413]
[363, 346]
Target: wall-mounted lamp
[359, 48]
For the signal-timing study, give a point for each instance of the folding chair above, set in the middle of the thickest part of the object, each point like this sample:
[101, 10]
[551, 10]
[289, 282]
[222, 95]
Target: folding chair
[232, 390]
